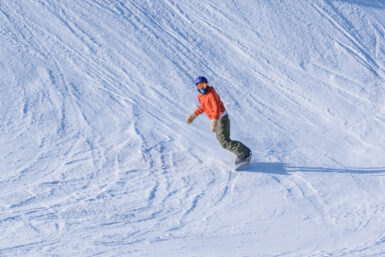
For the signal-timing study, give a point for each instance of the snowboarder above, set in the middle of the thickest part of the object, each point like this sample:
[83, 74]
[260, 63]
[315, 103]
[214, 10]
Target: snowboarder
[211, 104]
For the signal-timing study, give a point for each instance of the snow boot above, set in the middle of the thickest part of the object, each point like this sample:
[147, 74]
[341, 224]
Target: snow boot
[243, 158]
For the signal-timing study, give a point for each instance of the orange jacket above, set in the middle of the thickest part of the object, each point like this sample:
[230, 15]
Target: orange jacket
[211, 104]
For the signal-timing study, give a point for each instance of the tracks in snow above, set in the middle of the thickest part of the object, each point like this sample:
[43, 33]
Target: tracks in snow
[111, 162]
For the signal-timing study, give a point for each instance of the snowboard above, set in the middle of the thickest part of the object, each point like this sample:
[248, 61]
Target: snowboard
[242, 165]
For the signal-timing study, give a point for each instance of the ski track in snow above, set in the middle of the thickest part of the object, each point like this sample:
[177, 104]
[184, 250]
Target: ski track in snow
[96, 158]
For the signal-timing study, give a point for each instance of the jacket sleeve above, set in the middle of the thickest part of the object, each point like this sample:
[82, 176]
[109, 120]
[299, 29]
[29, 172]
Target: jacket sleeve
[215, 105]
[199, 110]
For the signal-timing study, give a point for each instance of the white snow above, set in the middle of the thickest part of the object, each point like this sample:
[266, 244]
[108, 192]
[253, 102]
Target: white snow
[96, 158]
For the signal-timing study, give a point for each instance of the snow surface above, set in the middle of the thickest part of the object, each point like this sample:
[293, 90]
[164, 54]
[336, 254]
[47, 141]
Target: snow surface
[96, 158]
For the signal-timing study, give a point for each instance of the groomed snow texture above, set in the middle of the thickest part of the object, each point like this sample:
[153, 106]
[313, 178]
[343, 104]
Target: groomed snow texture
[96, 158]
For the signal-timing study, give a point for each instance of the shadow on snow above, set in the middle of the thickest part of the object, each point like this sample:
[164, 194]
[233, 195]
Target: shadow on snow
[284, 169]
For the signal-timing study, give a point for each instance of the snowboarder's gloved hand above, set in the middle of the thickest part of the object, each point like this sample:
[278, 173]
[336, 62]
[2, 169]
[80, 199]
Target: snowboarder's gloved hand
[214, 125]
[191, 118]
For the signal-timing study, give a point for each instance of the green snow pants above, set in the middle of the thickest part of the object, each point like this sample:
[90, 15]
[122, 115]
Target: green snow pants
[223, 136]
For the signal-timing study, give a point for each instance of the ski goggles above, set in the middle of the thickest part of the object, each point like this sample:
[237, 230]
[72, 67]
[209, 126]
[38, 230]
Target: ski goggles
[202, 85]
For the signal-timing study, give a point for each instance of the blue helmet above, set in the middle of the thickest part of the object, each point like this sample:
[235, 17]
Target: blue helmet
[201, 79]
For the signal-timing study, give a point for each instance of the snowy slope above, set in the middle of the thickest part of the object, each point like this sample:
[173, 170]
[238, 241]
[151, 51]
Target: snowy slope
[96, 157]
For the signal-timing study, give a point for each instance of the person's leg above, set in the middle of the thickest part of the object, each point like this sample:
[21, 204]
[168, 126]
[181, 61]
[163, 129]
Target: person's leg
[223, 136]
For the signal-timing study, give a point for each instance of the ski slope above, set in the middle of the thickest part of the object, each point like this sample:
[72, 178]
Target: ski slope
[96, 158]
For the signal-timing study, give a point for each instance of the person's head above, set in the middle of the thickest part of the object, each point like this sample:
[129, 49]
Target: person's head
[202, 84]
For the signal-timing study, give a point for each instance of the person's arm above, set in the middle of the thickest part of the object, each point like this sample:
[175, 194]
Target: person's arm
[215, 111]
[199, 110]
[195, 114]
